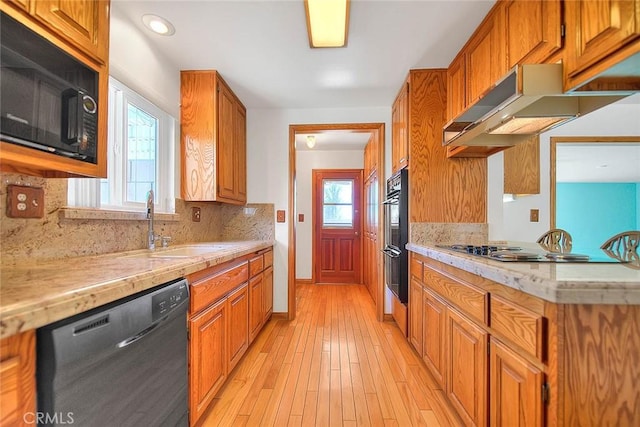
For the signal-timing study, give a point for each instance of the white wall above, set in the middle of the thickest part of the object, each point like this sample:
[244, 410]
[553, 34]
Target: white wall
[510, 221]
[268, 166]
[306, 161]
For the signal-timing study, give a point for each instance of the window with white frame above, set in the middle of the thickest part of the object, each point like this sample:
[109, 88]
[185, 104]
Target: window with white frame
[141, 141]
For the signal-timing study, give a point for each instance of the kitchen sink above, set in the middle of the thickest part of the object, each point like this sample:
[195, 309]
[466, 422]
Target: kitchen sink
[182, 251]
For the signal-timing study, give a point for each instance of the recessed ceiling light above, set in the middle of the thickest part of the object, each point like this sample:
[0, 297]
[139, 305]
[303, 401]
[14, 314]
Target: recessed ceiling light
[158, 25]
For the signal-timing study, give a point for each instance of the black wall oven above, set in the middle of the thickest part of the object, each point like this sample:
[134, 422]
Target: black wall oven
[396, 234]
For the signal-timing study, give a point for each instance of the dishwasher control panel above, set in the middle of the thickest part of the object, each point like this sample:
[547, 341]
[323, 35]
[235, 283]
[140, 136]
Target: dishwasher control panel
[169, 298]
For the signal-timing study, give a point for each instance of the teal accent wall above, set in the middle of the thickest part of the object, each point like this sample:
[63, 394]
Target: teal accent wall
[593, 212]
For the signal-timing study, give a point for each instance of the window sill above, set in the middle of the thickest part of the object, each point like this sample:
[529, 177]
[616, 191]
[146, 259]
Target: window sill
[105, 214]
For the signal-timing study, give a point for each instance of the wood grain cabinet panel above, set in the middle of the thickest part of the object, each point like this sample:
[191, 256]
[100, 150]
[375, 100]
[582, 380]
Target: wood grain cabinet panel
[20, 4]
[434, 335]
[485, 63]
[219, 283]
[515, 389]
[400, 130]
[466, 382]
[238, 328]
[520, 325]
[522, 167]
[456, 87]
[533, 30]
[256, 265]
[415, 313]
[256, 315]
[208, 357]
[468, 298]
[83, 23]
[267, 297]
[213, 136]
[606, 31]
[17, 378]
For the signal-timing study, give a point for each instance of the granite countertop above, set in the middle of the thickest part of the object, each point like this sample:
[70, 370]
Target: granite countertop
[39, 293]
[564, 283]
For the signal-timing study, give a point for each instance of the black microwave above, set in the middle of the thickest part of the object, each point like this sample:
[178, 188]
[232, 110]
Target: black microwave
[49, 99]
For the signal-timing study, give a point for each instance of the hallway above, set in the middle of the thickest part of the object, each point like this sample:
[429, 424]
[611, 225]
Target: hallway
[334, 365]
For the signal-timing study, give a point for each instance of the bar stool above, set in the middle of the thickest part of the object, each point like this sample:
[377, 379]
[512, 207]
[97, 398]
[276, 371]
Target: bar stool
[624, 247]
[556, 240]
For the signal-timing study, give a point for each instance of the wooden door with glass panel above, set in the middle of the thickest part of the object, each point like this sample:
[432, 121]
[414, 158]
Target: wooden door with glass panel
[337, 196]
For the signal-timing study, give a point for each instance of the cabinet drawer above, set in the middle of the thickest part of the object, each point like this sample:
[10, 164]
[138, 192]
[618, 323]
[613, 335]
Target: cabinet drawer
[523, 327]
[256, 265]
[268, 259]
[208, 290]
[469, 299]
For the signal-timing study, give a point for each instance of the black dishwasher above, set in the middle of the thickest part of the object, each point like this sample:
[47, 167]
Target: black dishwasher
[122, 364]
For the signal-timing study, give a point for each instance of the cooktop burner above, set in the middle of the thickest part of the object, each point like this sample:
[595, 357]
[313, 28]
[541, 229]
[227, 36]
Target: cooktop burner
[518, 254]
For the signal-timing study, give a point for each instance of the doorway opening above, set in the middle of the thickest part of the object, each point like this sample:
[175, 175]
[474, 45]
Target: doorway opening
[370, 261]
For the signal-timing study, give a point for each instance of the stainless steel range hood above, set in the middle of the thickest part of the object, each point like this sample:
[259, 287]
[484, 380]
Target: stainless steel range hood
[527, 101]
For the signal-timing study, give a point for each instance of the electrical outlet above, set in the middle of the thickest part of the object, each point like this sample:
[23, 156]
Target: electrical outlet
[25, 202]
[280, 216]
[195, 214]
[534, 215]
[300, 217]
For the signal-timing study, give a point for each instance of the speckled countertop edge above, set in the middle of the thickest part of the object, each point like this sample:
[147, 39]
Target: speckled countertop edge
[574, 283]
[34, 295]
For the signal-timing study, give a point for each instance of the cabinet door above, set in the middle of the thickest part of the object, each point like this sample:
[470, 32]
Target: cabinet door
[485, 63]
[207, 357]
[256, 315]
[456, 93]
[466, 382]
[18, 379]
[226, 151]
[533, 30]
[84, 23]
[597, 29]
[240, 143]
[268, 293]
[238, 327]
[522, 167]
[516, 389]
[399, 130]
[415, 314]
[434, 335]
[20, 4]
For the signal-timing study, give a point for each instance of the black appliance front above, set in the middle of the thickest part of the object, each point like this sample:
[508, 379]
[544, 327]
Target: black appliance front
[49, 99]
[397, 235]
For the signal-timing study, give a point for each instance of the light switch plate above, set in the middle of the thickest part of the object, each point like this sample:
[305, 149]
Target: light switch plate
[280, 216]
[25, 202]
[534, 215]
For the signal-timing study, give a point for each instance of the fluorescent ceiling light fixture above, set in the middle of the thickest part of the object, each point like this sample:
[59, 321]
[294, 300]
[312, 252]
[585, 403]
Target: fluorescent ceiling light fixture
[311, 141]
[158, 25]
[528, 125]
[327, 22]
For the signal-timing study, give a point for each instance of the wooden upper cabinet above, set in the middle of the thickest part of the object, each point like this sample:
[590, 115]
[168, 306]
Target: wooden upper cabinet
[213, 139]
[533, 30]
[84, 23]
[400, 130]
[20, 4]
[600, 34]
[456, 87]
[485, 63]
[370, 157]
[522, 167]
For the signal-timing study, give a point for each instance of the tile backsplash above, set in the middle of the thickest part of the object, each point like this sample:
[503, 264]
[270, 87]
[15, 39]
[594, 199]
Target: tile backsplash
[56, 236]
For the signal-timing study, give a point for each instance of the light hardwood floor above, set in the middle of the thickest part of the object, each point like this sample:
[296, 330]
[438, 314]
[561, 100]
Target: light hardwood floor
[334, 365]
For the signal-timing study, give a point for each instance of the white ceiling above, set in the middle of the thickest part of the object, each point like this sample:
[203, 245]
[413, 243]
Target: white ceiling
[606, 162]
[262, 50]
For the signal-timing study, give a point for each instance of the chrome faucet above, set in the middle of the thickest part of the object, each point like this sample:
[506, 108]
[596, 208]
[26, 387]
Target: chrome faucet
[151, 235]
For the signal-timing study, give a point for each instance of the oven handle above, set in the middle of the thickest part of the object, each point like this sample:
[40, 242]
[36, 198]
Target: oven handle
[390, 253]
[392, 200]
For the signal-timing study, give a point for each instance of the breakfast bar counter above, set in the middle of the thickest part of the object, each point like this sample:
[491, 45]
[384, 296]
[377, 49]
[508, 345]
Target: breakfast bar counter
[564, 283]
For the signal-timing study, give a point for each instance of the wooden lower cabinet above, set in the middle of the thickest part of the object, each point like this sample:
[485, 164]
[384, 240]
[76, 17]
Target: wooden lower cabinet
[267, 296]
[238, 309]
[466, 383]
[207, 357]
[18, 379]
[415, 314]
[433, 335]
[256, 317]
[515, 389]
